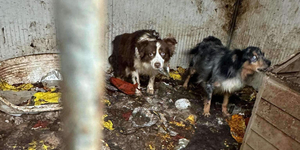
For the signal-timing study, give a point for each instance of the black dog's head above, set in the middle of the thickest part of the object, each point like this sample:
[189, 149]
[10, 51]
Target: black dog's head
[255, 60]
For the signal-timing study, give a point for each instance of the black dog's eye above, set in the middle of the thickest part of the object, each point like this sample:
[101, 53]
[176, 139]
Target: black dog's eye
[151, 54]
[162, 54]
[254, 59]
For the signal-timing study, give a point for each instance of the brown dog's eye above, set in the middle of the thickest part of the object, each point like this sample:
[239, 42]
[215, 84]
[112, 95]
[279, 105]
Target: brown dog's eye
[162, 54]
[151, 54]
[253, 59]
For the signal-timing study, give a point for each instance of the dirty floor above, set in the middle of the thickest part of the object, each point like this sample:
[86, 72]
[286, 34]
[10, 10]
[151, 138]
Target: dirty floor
[136, 123]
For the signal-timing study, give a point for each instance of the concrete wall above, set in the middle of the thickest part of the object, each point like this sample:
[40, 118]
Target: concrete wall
[273, 25]
[27, 27]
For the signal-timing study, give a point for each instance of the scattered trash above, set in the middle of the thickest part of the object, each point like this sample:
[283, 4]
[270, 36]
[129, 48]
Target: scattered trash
[107, 124]
[182, 143]
[191, 119]
[106, 102]
[165, 71]
[175, 75]
[40, 125]
[182, 103]
[127, 115]
[124, 86]
[46, 98]
[34, 145]
[142, 117]
[178, 124]
[4, 86]
[237, 127]
[248, 93]
[54, 75]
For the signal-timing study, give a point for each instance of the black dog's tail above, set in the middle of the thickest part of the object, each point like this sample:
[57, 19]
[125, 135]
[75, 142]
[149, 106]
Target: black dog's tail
[210, 40]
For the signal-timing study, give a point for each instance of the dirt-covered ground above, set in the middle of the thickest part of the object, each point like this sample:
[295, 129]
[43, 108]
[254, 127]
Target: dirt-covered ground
[138, 123]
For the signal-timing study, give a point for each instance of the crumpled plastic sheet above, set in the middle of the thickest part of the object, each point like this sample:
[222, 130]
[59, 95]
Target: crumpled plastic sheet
[145, 114]
[52, 76]
[182, 143]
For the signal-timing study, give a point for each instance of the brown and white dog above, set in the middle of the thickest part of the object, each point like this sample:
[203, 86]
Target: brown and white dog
[141, 53]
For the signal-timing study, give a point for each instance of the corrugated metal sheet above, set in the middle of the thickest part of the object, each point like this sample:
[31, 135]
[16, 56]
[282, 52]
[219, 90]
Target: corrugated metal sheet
[272, 25]
[27, 27]
[188, 21]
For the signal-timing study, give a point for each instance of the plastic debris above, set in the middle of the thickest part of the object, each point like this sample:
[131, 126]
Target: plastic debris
[181, 70]
[165, 71]
[40, 124]
[124, 86]
[237, 127]
[34, 145]
[4, 86]
[182, 143]
[175, 75]
[178, 124]
[142, 117]
[127, 115]
[106, 102]
[191, 119]
[51, 76]
[46, 97]
[248, 93]
[107, 124]
[182, 103]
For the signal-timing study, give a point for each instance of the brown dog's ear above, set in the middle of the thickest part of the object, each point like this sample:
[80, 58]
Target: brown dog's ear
[171, 43]
[140, 46]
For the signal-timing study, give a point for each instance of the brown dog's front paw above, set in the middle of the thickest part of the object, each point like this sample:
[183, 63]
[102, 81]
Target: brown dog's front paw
[206, 114]
[150, 91]
[138, 92]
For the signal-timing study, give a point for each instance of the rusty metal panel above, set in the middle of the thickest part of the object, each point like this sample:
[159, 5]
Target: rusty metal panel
[188, 21]
[27, 27]
[271, 25]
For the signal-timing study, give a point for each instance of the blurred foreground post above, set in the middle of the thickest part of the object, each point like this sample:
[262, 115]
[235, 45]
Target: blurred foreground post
[80, 33]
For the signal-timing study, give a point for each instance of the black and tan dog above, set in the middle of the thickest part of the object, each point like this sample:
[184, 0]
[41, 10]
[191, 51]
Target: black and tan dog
[221, 70]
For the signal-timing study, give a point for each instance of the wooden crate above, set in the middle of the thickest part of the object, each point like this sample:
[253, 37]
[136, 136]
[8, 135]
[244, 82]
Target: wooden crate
[275, 121]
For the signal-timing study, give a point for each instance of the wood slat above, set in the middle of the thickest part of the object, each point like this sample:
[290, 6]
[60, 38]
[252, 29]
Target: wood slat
[273, 135]
[282, 97]
[258, 143]
[281, 120]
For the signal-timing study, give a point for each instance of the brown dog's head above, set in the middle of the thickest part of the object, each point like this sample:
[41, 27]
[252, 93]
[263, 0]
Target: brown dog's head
[156, 52]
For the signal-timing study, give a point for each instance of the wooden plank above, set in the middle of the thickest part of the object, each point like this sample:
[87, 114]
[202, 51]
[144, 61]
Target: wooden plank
[253, 117]
[281, 120]
[273, 135]
[258, 143]
[282, 97]
[284, 67]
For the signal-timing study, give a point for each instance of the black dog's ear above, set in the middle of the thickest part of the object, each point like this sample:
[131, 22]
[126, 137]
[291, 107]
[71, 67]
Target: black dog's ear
[171, 43]
[140, 46]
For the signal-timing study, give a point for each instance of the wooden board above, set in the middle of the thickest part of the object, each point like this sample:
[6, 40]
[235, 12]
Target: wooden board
[281, 120]
[282, 97]
[258, 143]
[273, 135]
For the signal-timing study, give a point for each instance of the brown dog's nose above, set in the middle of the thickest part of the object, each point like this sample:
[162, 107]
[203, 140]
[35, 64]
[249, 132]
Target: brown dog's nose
[157, 65]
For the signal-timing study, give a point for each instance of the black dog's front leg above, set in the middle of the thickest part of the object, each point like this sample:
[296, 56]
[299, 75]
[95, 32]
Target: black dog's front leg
[207, 101]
